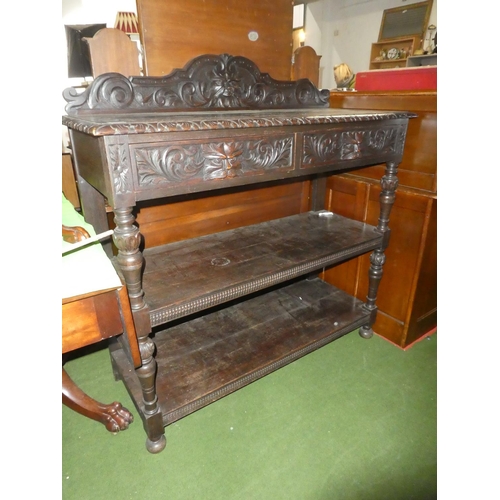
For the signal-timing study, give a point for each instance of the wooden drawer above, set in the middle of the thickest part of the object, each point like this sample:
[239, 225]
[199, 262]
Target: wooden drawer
[90, 320]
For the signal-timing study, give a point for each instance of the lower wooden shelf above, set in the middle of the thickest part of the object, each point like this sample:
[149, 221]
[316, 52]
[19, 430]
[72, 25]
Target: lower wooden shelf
[201, 359]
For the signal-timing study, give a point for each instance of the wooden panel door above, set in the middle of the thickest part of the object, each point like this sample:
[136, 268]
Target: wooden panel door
[172, 33]
[407, 294]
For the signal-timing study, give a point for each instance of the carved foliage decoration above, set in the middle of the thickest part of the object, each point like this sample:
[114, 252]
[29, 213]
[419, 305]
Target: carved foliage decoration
[206, 82]
[337, 146]
[118, 155]
[177, 163]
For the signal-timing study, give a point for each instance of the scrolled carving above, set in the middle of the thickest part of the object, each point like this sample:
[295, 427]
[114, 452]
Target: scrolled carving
[266, 154]
[174, 163]
[177, 163]
[306, 93]
[321, 148]
[206, 82]
[383, 139]
[112, 88]
[334, 146]
[107, 91]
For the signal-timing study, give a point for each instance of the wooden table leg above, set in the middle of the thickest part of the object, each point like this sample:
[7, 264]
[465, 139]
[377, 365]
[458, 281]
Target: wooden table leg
[114, 417]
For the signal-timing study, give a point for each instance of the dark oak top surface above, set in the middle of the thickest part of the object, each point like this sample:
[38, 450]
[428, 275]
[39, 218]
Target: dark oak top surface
[154, 122]
[211, 92]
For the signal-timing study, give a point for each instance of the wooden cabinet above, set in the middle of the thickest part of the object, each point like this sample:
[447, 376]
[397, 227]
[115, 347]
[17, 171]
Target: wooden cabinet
[407, 297]
[394, 53]
[69, 187]
[215, 312]
[175, 32]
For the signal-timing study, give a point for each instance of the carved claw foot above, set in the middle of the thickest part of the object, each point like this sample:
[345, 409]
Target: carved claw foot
[115, 417]
[366, 332]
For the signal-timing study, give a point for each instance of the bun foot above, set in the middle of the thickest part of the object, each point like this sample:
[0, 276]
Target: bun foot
[366, 332]
[156, 446]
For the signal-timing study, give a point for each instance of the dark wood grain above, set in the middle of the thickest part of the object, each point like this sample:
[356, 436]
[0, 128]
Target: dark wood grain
[189, 276]
[206, 358]
[175, 32]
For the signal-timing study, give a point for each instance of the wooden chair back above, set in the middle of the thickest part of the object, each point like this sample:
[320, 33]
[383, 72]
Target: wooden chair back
[111, 50]
[306, 64]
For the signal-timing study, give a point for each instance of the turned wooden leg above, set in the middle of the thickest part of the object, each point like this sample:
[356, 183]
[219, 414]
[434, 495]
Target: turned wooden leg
[377, 259]
[153, 419]
[114, 416]
[389, 183]
[127, 239]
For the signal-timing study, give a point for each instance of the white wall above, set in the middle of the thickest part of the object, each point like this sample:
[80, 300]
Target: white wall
[339, 30]
[343, 31]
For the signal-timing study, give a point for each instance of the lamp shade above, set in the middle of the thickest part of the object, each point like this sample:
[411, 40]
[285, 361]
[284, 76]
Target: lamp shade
[127, 22]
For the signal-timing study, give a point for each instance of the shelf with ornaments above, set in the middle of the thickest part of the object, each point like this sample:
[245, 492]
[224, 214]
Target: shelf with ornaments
[393, 53]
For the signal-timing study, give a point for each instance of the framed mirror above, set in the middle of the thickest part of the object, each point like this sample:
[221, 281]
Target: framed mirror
[410, 20]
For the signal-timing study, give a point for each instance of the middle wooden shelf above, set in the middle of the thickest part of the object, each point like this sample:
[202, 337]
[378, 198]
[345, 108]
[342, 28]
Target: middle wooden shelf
[189, 276]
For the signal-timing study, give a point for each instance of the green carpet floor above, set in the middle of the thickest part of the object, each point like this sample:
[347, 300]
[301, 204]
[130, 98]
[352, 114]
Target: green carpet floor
[356, 419]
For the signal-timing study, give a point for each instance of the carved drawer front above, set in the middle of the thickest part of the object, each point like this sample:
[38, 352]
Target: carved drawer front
[196, 161]
[335, 145]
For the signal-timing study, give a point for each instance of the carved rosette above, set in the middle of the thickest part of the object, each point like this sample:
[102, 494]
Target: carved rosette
[340, 146]
[211, 161]
[127, 241]
[389, 183]
[147, 349]
[120, 168]
[377, 259]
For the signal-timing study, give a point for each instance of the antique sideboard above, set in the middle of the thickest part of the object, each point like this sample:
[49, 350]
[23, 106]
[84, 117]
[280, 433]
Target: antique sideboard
[214, 313]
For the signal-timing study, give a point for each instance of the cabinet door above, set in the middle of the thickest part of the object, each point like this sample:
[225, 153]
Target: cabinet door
[424, 312]
[409, 254]
[349, 199]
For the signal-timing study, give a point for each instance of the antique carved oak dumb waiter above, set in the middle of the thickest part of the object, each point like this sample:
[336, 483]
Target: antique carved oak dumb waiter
[216, 312]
